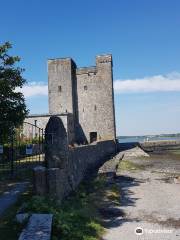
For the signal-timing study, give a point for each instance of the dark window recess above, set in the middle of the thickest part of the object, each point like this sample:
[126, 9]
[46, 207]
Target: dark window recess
[85, 87]
[93, 136]
[59, 89]
[95, 108]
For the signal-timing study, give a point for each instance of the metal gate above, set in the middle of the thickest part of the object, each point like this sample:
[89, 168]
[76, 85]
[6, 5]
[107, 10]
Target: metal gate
[21, 150]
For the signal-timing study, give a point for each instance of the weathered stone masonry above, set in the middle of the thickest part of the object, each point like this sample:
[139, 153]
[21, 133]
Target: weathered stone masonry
[85, 93]
[66, 167]
[81, 111]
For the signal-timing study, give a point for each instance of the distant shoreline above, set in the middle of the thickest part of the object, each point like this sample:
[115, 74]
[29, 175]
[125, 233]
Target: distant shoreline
[142, 139]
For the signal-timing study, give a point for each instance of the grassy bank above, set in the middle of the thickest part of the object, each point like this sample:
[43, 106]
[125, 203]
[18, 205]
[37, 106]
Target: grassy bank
[79, 217]
[127, 165]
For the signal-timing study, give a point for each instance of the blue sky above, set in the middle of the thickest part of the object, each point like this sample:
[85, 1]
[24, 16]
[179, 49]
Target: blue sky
[143, 37]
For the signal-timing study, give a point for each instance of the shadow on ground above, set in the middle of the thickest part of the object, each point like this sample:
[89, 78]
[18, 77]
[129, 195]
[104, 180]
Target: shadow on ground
[114, 216]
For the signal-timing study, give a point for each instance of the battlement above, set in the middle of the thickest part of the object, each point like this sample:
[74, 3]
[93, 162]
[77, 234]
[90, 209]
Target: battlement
[100, 59]
[62, 61]
[86, 70]
[103, 58]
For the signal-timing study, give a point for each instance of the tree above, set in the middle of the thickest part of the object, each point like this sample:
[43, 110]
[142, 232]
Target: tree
[12, 102]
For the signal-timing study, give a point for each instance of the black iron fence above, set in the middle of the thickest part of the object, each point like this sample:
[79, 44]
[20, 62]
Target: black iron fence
[21, 149]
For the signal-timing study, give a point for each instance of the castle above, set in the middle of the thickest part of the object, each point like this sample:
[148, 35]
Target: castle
[83, 98]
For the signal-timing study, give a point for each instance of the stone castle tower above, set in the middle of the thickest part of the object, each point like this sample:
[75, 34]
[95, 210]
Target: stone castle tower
[87, 94]
[83, 98]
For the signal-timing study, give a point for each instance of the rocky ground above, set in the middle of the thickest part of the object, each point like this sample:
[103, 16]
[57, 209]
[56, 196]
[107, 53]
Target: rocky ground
[150, 197]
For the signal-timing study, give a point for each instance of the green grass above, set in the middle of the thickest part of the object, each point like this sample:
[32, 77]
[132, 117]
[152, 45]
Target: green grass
[23, 160]
[22, 167]
[30, 159]
[77, 218]
[129, 166]
[24, 174]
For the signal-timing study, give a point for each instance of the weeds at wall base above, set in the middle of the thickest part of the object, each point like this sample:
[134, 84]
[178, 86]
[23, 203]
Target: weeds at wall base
[78, 217]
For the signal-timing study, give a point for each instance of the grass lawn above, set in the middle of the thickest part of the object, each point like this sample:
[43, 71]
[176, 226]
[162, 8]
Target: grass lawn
[22, 169]
[77, 218]
[30, 159]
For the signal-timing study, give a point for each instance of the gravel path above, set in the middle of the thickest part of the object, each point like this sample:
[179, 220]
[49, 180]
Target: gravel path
[8, 198]
[150, 200]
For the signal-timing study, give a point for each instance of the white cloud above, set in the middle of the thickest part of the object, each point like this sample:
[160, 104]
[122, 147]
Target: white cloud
[158, 83]
[34, 89]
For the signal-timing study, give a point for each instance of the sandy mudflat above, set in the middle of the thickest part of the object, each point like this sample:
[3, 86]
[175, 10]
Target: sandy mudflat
[150, 199]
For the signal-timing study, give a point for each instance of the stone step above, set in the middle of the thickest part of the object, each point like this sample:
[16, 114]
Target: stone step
[38, 228]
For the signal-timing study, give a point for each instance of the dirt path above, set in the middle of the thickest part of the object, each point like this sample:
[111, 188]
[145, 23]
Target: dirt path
[150, 199]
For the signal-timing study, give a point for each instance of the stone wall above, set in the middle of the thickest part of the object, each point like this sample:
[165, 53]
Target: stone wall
[85, 159]
[151, 146]
[154, 146]
[67, 167]
[81, 161]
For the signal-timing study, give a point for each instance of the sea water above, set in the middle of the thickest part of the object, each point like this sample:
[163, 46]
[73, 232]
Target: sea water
[125, 139]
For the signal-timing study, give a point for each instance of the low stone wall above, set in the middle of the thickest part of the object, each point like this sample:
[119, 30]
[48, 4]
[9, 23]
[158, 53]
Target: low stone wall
[126, 146]
[153, 146]
[67, 167]
[85, 159]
